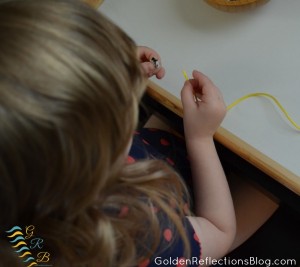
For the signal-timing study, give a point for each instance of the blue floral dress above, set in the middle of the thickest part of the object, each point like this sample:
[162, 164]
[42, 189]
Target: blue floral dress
[153, 143]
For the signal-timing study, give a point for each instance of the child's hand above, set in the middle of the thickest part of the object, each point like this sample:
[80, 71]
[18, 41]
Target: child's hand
[201, 117]
[150, 61]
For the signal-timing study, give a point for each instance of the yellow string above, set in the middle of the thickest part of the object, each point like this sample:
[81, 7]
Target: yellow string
[259, 94]
[271, 97]
[186, 77]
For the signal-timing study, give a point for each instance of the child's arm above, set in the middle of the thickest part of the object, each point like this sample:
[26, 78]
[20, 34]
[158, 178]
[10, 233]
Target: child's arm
[215, 222]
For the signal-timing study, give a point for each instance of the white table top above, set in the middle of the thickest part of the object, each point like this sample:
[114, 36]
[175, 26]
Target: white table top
[246, 52]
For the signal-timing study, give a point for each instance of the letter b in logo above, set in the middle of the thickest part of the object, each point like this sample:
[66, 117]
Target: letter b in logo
[43, 257]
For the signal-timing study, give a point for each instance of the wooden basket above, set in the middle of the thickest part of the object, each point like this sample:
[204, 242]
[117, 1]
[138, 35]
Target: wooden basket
[94, 3]
[235, 5]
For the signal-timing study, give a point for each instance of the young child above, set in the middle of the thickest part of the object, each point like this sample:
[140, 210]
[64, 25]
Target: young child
[70, 86]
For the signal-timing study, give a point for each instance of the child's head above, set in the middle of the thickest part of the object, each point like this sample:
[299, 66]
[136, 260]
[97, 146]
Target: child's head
[70, 84]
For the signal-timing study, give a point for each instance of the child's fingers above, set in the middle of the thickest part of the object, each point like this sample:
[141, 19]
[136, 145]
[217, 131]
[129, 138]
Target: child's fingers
[148, 68]
[208, 88]
[151, 62]
[187, 94]
[147, 54]
[151, 70]
[160, 73]
[202, 79]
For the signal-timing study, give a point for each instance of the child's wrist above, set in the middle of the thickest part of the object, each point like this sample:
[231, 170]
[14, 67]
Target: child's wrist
[200, 141]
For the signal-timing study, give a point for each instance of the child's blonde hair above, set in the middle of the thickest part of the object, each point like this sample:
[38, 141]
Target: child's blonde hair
[70, 85]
